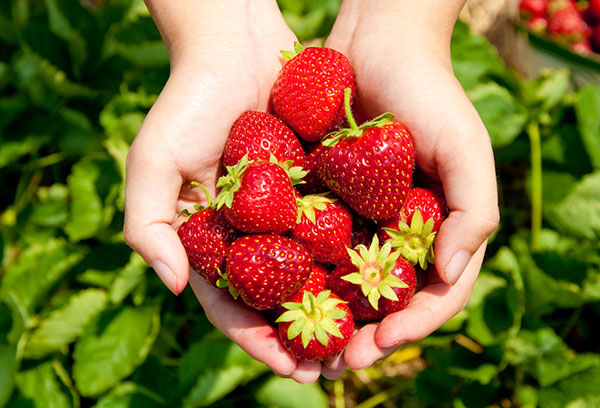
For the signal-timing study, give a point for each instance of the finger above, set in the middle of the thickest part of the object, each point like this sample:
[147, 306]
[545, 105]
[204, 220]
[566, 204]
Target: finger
[429, 309]
[244, 326]
[151, 191]
[333, 368]
[307, 372]
[362, 351]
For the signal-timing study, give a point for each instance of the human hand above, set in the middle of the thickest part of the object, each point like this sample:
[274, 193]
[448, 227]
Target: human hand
[400, 53]
[223, 62]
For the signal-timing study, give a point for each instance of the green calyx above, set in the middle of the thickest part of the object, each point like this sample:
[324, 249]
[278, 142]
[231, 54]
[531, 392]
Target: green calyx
[223, 282]
[230, 183]
[313, 317]
[414, 242]
[374, 266]
[288, 55]
[331, 139]
[308, 204]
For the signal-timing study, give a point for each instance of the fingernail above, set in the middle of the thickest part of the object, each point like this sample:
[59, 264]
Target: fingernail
[457, 265]
[166, 275]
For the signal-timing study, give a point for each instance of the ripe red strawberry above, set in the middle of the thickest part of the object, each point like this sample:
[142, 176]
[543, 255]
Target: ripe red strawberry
[308, 94]
[205, 235]
[315, 284]
[375, 281]
[529, 8]
[267, 269]
[565, 22]
[259, 196]
[260, 135]
[312, 181]
[324, 227]
[315, 327]
[370, 166]
[594, 10]
[413, 230]
[583, 47]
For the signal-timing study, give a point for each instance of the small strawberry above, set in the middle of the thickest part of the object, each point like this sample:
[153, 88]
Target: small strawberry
[582, 47]
[413, 231]
[537, 24]
[259, 195]
[315, 327]
[375, 281]
[369, 166]
[205, 235]
[529, 8]
[324, 227]
[260, 135]
[312, 181]
[267, 269]
[308, 94]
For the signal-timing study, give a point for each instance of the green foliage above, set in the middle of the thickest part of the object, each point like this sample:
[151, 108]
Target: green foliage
[83, 322]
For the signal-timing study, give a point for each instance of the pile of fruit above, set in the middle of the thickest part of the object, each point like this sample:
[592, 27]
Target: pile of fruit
[574, 24]
[316, 225]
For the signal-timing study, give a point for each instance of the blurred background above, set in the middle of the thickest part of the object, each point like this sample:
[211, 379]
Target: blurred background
[84, 322]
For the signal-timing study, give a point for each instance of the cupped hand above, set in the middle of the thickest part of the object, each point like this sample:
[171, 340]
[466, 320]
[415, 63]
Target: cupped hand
[222, 64]
[400, 53]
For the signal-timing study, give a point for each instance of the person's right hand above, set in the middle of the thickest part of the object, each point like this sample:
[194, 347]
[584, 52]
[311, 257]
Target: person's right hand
[225, 58]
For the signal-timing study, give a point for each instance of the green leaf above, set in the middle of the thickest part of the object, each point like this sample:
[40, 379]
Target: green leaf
[551, 87]
[581, 384]
[128, 278]
[37, 270]
[578, 213]
[214, 369]
[130, 395]
[86, 205]
[13, 150]
[112, 347]
[65, 324]
[504, 117]
[40, 385]
[588, 120]
[8, 368]
[61, 26]
[286, 393]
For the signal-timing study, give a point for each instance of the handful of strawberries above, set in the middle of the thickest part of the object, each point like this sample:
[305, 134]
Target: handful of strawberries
[316, 225]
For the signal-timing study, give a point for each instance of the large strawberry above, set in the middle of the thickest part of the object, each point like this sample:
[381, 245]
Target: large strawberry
[535, 8]
[324, 226]
[205, 235]
[369, 166]
[315, 327]
[375, 281]
[260, 135]
[565, 23]
[258, 196]
[267, 269]
[413, 230]
[308, 93]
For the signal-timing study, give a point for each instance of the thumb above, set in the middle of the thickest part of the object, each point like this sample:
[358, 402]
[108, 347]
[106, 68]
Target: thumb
[466, 169]
[152, 187]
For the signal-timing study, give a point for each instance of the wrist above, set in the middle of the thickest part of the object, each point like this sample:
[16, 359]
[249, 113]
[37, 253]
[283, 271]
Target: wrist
[192, 26]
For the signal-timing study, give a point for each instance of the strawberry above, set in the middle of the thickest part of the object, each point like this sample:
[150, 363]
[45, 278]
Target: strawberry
[324, 226]
[369, 166]
[362, 231]
[593, 10]
[267, 269]
[537, 24]
[260, 135]
[259, 196]
[205, 235]
[583, 47]
[315, 327]
[533, 8]
[375, 281]
[308, 93]
[413, 231]
[565, 22]
[312, 182]
[316, 283]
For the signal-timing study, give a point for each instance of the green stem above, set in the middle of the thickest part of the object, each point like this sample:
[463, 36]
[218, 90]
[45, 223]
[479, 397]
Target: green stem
[536, 185]
[348, 109]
